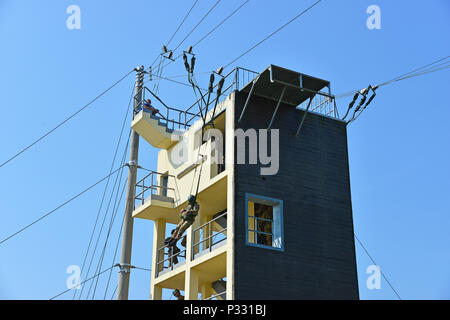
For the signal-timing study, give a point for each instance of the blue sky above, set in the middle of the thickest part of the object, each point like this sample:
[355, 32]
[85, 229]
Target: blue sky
[398, 149]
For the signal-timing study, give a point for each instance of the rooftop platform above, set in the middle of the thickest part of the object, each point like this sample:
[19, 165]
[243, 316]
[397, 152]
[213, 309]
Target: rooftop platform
[299, 87]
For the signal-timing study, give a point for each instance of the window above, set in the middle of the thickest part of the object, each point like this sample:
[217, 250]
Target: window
[264, 222]
[164, 184]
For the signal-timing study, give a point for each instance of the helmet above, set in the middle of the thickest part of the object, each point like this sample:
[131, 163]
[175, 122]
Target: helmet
[191, 199]
[175, 292]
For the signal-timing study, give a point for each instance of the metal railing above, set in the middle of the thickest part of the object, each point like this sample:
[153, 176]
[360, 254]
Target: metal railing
[183, 119]
[235, 79]
[207, 236]
[170, 261]
[173, 118]
[322, 105]
[147, 186]
[215, 295]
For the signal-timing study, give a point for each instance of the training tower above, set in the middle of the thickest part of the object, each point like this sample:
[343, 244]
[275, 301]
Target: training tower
[283, 235]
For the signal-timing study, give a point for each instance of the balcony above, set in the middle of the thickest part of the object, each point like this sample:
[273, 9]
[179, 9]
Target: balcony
[210, 235]
[167, 261]
[154, 198]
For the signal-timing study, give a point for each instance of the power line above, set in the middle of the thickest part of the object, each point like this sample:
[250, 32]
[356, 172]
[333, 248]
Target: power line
[107, 183]
[270, 35]
[184, 19]
[209, 33]
[423, 70]
[414, 73]
[220, 23]
[98, 274]
[111, 223]
[179, 26]
[420, 68]
[66, 120]
[195, 27]
[106, 214]
[382, 273]
[59, 207]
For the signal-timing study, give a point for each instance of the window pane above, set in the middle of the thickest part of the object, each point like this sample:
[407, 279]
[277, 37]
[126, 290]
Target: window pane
[251, 209]
[264, 239]
[251, 223]
[251, 237]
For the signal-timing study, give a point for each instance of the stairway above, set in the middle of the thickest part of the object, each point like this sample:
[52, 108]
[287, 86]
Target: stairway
[155, 130]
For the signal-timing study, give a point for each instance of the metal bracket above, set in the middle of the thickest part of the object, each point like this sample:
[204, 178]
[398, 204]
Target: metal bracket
[304, 115]
[248, 98]
[124, 268]
[131, 164]
[276, 109]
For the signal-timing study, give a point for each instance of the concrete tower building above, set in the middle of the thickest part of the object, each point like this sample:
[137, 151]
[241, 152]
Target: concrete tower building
[275, 222]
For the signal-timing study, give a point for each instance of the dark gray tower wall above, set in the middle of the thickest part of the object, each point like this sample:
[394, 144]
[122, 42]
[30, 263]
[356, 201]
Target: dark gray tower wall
[318, 261]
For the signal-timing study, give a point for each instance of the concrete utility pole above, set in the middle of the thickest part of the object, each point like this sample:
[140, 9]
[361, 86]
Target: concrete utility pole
[125, 256]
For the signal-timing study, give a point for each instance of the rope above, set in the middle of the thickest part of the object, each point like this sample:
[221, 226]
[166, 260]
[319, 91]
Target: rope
[66, 120]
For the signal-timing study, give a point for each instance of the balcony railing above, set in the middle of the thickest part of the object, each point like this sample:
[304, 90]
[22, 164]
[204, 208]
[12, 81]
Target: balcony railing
[149, 185]
[168, 263]
[205, 237]
[214, 296]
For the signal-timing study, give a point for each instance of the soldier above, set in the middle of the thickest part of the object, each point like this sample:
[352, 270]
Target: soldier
[187, 216]
[177, 294]
[148, 106]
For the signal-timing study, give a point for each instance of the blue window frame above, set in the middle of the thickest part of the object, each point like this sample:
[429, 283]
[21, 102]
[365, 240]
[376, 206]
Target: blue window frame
[264, 222]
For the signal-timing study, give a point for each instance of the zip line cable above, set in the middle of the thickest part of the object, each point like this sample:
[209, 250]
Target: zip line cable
[274, 32]
[373, 261]
[59, 207]
[107, 183]
[66, 120]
